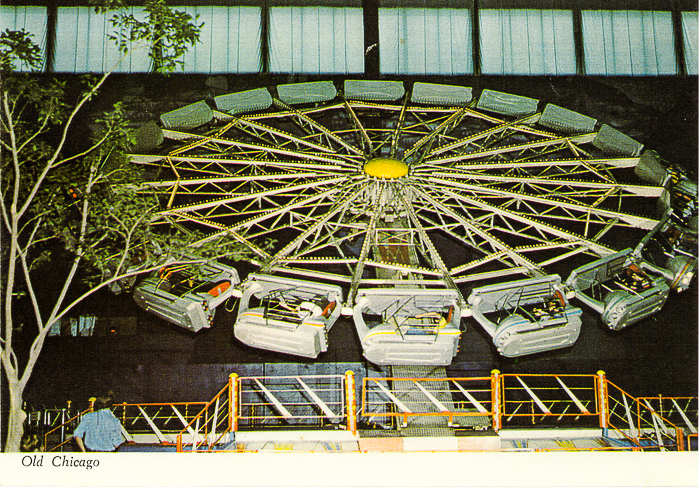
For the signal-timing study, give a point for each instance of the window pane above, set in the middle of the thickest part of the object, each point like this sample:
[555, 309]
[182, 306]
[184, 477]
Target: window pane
[425, 41]
[689, 28]
[527, 42]
[633, 42]
[31, 19]
[316, 40]
[229, 41]
[83, 45]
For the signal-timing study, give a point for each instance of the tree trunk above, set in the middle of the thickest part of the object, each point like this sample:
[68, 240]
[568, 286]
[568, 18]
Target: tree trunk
[16, 418]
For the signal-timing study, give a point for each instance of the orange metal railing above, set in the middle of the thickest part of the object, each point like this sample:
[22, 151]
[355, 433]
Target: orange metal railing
[681, 411]
[540, 399]
[526, 400]
[69, 424]
[514, 400]
[392, 399]
[639, 426]
[314, 401]
[154, 423]
[500, 400]
[210, 426]
[309, 401]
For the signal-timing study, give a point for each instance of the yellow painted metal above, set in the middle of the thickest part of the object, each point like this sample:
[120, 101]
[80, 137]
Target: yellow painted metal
[386, 168]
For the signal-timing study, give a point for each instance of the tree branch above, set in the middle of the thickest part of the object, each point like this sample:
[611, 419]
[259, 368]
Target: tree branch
[30, 291]
[38, 132]
[84, 153]
[81, 242]
[12, 219]
[129, 236]
[59, 147]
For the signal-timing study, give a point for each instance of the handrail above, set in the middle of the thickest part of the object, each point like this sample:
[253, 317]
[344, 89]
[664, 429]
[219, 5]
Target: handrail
[194, 425]
[681, 410]
[120, 411]
[536, 397]
[640, 424]
[67, 422]
[637, 423]
[388, 405]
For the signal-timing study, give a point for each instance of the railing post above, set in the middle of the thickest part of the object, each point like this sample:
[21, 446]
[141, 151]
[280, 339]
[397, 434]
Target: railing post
[602, 401]
[179, 442]
[63, 427]
[679, 437]
[351, 401]
[92, 401]
[496, 396]
[233, 393]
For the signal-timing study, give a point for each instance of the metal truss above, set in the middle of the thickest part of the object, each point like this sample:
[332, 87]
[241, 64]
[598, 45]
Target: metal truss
[485, 196]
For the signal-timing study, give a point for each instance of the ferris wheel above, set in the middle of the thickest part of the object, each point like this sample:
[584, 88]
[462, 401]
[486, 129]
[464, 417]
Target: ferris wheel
[412, 209]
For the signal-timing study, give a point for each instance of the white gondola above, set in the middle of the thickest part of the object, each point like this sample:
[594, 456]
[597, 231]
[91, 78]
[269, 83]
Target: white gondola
[187, 295]
[619, 289]
[671, 251]
[670, 248]
[287, 315]
[534, 315]
[406, 326]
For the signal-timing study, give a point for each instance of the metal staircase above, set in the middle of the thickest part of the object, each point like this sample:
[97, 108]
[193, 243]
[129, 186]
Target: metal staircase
[423, 396]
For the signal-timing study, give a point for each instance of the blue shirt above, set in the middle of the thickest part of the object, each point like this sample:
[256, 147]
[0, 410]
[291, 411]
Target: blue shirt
[100, 430]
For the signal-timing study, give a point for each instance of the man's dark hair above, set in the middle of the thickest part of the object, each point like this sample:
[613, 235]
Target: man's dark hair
[103, 402]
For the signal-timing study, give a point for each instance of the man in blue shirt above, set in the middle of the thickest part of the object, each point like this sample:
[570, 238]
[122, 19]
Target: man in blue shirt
[99, 431]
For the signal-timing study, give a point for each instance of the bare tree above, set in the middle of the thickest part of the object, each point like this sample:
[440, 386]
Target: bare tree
[84, 206]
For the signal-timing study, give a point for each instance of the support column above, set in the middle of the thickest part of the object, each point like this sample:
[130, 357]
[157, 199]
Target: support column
[678, 32]
[51, 21]
[233, 395]
[476, 38]
[496, 397]
[578, 41]
[351, 401]
[679, 437]
[264, 37]
[602, 400]
[370, 10]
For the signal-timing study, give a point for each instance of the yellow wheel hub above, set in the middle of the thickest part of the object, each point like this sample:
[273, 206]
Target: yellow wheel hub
[386, 168]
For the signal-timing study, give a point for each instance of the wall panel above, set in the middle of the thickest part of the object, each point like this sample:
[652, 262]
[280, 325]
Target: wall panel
[628, 42]
[316, 40]
[527, 42]
[690, 20]
[83, 44]
[31, 19]
[425, 41]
